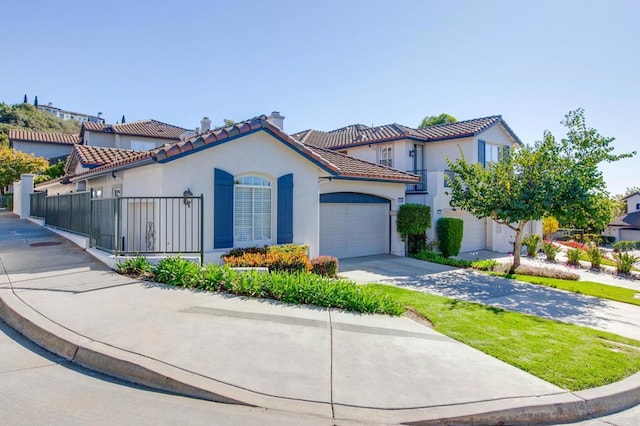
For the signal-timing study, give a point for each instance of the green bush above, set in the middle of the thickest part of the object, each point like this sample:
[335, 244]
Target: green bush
[327, 266]
[595, 256]
[412, 223]
[434, 257]
[625, 262]
[550, 251]
[239, 252]
[289, 258]
[137, 266]
[449, 235]
[608, 239]
[485, 265]
[299, 289]
[531, 242]
[573, 256]
[596, 239]
[178, 271]
[624, 246]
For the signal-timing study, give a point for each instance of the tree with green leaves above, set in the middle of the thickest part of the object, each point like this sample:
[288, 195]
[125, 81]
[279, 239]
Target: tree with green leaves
[15, 163]
[432, 120]
[550, 178]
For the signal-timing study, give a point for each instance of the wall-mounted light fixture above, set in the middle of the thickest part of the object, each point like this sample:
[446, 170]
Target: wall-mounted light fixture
[187, 197]
[412, 152]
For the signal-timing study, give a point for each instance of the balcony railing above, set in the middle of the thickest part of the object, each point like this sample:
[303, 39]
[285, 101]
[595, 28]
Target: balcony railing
[420, 186]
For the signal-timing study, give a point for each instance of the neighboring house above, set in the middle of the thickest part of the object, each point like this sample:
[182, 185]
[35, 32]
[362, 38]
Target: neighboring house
[627, 227]
[141, 135]
[52, 146]
[69, 115]
[260, 186]
[424, 152]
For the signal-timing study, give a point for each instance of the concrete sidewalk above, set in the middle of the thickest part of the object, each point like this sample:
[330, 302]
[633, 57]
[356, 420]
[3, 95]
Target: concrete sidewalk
[333, 364]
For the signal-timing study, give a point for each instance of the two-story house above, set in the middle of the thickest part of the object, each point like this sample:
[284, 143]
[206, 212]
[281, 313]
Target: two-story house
[51, 146]
[424, 152]
[627, 227]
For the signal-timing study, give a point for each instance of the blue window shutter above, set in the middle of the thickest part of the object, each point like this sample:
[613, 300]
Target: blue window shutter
[285, 209]
[481, 153]
[222, 209]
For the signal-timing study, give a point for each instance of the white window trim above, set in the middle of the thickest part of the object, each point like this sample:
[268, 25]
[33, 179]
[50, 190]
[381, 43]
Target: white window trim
[252, 241]
[385, 155]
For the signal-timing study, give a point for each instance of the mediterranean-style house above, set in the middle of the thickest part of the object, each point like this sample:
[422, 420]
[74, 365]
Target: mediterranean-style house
[51, 146]
[424, 152]
[261, 187]
[627, 227]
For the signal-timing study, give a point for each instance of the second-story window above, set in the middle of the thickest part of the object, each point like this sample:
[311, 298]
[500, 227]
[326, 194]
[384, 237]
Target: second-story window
[386, 156]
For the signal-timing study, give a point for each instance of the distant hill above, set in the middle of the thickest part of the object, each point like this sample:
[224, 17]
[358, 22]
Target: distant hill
[26, 116]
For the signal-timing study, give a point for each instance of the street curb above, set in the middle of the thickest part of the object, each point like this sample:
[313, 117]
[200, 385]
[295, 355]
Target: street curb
[138, 369]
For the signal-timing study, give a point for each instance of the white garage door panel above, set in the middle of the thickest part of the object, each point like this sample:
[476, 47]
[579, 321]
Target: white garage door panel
[629, 235]
[474, 232]
[351, 230]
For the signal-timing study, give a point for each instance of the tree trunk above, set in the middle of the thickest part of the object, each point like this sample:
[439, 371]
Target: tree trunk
[517, 246]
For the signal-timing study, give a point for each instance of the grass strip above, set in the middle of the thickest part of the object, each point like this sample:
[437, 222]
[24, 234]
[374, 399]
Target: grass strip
[589, 288]
[568, 356]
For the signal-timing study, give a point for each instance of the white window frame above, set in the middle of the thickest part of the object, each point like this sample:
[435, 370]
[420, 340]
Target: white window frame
[260, 190]
[385, 155]
[492, 153]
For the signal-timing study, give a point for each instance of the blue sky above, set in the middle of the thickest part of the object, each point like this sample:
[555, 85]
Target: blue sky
[328, 64]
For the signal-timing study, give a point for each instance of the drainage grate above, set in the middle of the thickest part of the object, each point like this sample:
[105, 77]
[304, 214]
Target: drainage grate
[45, 244]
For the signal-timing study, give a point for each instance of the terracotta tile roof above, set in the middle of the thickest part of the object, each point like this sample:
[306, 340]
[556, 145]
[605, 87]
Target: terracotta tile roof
[336, 164]
[99, 156]
[42, 137]
[631, 220]
[359, 134]
[147, 128]
[353, 167]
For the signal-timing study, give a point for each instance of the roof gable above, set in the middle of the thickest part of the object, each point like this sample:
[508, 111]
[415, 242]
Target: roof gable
[94, 156]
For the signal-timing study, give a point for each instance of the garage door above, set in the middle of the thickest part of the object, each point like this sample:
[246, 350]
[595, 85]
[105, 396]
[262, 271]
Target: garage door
[353, 225]
[474, 231]
[629, 235]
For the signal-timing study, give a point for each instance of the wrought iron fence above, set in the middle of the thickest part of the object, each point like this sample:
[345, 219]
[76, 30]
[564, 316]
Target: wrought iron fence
[128, 225]
[38, 204]
[420, 186]
[168, 225]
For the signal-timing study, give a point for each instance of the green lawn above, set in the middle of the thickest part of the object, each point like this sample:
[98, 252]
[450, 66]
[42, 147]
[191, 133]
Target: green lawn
[568, 356]
[590, 288]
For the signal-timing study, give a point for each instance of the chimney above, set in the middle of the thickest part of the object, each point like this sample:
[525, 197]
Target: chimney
[205, 124]
[276, 119]
[99, 115]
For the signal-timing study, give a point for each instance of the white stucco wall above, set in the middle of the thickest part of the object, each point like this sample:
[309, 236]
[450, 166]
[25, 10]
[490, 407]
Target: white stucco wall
[390, 191]
[257, 154]
[632, 202]
[111, 140]
[401, 158]
[436, 153]
[45, 150]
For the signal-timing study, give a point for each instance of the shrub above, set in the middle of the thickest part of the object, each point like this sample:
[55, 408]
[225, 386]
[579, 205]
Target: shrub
[179, 272]
[593, 238]
[625, 245]
[434, 257]
[327, 266]
[595, 256]
[413, 220]
[535, 271]
[238, 252]
[485, 265]
[573, 256]
[531, 243]
[550, 251]
[549, 226]
[136, 266]
[246, 260]
[636, 245]
[625, 262]
[289, 258]
[449, 235]
[608, 239]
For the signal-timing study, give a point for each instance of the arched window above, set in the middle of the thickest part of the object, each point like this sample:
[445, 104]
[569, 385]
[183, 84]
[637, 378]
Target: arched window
[252, 209]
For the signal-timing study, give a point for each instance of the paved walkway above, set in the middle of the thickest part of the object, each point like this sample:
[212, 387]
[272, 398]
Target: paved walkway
[329, 363]
[465, 284]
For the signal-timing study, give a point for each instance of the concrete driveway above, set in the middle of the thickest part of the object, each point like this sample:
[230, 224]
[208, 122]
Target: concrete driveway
[465, 284]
